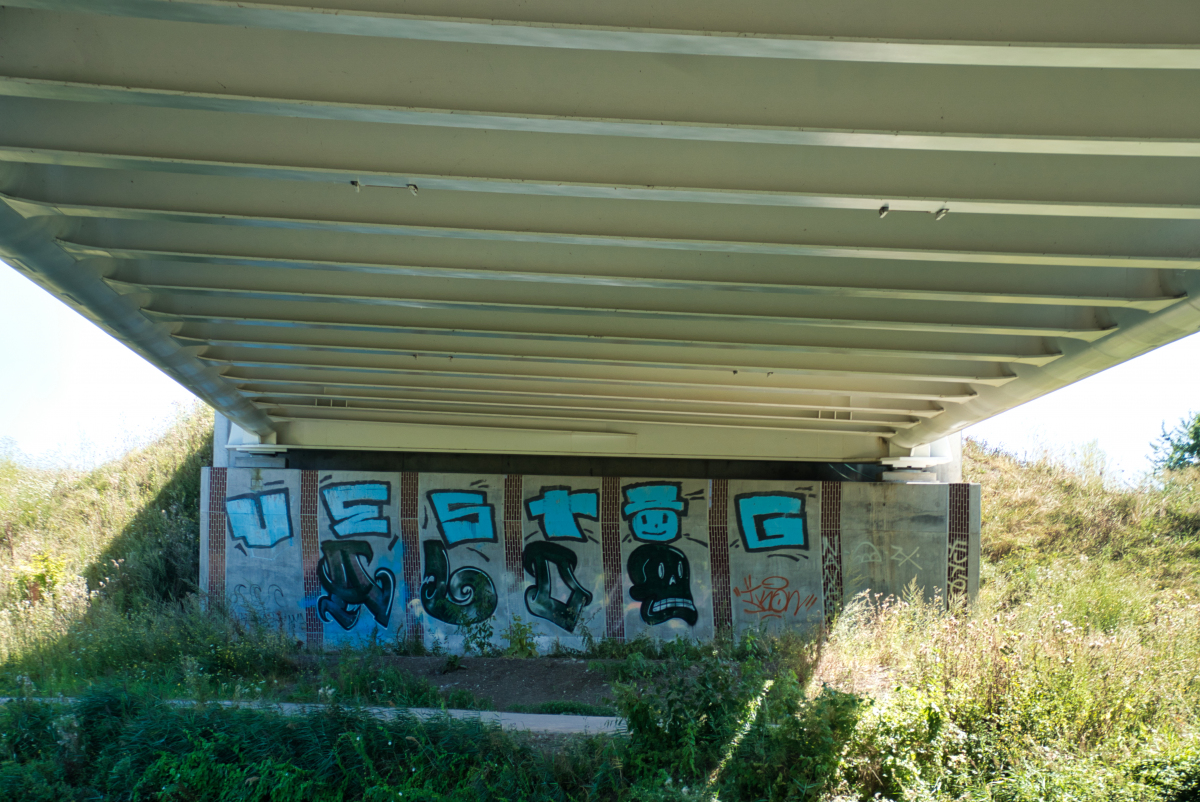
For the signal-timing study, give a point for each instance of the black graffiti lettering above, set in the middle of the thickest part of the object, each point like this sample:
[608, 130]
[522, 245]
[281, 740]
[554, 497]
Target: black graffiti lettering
[661, 580]
[343, 574]
[463, 598]
[538, 599]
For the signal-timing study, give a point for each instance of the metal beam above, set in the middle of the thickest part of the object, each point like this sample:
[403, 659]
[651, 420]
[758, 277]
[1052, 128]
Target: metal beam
[1171, 324]
[342, 389]
[847, 351]
[576, 189]
[314, 348]
[267, 399]
[357, 413]
[596, 126]
[35, 208]
[348, 22]
[1150, 304]
[1088, 335]
[887, 390]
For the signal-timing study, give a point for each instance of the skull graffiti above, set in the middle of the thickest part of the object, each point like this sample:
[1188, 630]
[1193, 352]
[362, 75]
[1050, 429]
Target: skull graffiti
[661, 580]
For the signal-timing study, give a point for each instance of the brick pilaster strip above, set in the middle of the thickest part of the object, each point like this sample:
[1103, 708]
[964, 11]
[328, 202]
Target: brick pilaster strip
[310, 555]
[831, 549]
[217, 534]
[513, 536]
[958, 554]
[718, 549]
[610, 557]
[410, 502]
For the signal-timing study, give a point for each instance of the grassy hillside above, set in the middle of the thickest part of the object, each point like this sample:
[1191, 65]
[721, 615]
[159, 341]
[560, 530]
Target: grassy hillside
[1074, 676]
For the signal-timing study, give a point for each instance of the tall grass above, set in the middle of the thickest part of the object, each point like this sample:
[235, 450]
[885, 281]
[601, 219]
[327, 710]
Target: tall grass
[1077, 667]
[101, 567]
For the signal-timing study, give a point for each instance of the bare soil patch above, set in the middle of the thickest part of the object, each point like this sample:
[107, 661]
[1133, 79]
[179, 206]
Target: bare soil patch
[510, 683]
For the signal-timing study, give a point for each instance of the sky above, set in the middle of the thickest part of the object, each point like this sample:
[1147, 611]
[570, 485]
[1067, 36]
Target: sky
[73, 395]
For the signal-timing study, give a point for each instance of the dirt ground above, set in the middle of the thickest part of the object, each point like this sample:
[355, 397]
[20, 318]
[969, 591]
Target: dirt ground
[510, 682]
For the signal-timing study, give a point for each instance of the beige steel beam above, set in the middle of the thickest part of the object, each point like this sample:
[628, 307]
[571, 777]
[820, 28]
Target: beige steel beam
[82, 251]
[996, 377]
[34, 208]
[513, 33]
[414, 182]
[1088, 335]
[595, 126]
[283, 410]
[842, 350]
[349, 390]
[606, 412]
[854, 386]
[319, 429]
[602, 161]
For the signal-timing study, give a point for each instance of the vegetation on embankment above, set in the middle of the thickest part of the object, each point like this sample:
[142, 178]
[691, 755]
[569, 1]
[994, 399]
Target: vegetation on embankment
[1074, 676]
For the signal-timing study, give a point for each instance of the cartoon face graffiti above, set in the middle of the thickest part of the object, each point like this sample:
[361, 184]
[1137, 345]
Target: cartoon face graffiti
[662, 583]
[653, 511]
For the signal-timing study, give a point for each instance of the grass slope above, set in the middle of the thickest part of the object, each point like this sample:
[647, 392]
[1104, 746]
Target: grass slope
[1074, 676]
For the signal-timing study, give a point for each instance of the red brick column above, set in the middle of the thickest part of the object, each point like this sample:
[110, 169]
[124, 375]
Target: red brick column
[718, 547]
[513, 536]
[831, 548]
[217, 534]
[958, 544]
[410, 502]
[610, 556]
[310, 555]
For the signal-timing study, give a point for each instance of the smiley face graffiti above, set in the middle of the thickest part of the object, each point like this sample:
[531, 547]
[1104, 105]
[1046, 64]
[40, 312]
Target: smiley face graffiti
[654, 511]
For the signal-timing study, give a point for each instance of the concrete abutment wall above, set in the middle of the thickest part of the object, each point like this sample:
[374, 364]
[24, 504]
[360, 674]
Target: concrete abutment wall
[339, 557]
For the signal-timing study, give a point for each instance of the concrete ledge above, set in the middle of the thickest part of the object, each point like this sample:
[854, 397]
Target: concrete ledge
[512, 722]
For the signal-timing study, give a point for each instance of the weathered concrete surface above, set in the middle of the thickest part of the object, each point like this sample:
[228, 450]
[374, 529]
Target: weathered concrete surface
[341, 557]
[512, 722]
[776, 584]
[894, 534]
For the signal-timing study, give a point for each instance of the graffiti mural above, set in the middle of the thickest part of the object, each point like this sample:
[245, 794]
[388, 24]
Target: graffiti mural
[539, 597]
[325, 556]
[665, 559]
[653, 510]
[463, 516]
[356, 590]
[260, 520]
[357, 508]
[773, 554]
[865, 552]
[772, 598]
[466, 596]
[561, 556]
[470, 569]
[343, 573]
[662, 582]
[558, 511]
[770, 521]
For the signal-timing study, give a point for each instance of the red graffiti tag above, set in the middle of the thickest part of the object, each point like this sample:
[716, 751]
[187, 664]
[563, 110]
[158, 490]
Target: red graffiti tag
[771, 597]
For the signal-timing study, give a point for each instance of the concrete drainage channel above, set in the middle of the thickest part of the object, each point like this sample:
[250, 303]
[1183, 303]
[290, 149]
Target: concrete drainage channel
[515, 722]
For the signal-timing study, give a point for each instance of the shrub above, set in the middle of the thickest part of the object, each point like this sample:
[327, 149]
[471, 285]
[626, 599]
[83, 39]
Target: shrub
[519, 635]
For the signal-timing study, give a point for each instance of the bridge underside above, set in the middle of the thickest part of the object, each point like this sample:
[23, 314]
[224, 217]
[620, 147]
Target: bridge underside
[830, 231]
